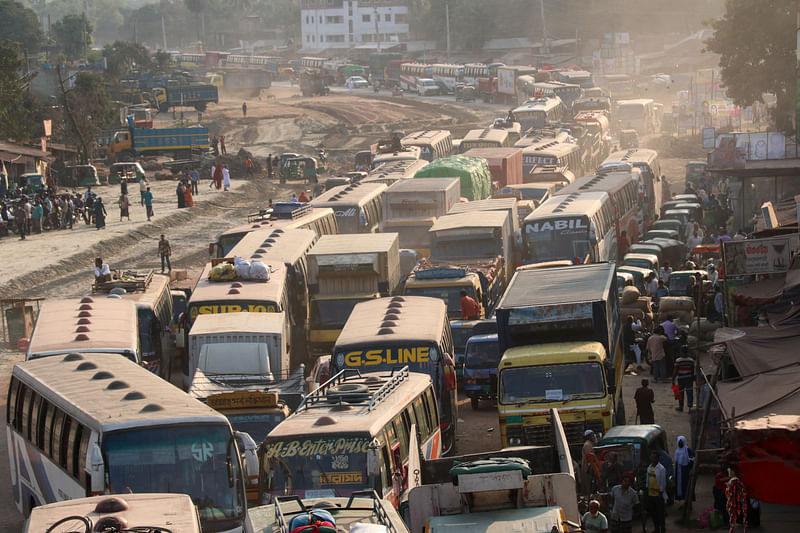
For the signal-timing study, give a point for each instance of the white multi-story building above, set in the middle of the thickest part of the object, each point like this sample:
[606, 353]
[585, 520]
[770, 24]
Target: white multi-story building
[349, 23]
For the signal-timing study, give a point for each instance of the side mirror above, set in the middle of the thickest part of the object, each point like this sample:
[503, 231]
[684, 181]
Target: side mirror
[374, 458]
[249, 452]
[97, 470]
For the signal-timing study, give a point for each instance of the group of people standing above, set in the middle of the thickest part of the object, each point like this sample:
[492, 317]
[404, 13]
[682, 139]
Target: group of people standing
[220, 176]
[48, 210]
[188, 186]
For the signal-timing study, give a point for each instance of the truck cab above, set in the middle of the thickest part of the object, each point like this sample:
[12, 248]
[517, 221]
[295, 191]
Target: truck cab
[447, 284]
[480, 369]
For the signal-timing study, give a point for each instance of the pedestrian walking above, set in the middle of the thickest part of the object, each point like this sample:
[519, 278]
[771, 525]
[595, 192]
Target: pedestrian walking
[215, 145]
[226, 178]
[656, 346]
[656, 495]
[124, 207]
[37, 213]
[269, 166]
[19, 219]
[218, 176]
[683, 376]
[194, 176]
[99, 214]
[684, 461]
[593, 521]
[70, 212]
[28, 210]
[164, 250]
[222, 145]
[244, 109]
[248, 164]
[148, 203]
[179, 190]
[143, 185]
[188, 200]
[625, 501]
[644, 399]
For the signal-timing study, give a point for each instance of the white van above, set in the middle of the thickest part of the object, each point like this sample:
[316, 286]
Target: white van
[427, 87]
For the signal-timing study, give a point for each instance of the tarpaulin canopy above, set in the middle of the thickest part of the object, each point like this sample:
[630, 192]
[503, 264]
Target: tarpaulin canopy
[763, 349]
[776, 392]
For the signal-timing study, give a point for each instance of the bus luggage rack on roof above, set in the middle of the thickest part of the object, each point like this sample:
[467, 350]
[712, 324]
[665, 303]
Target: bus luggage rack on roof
[340, 389]
[131, 281]
[377, 509]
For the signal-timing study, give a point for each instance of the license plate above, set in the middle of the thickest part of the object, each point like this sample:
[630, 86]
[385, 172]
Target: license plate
[320, 493]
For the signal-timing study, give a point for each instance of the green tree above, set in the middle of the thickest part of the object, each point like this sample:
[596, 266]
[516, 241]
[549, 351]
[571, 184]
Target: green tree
[20, 112]
[198, 7]
[73, 35]
[756, 44]
[162, 61]
[124, 56]
[19, 24]
[88, 110]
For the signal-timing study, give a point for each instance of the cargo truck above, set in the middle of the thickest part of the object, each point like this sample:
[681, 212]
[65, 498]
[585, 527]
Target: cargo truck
[196, 96]
[505, 164]
[559, 333]
[410, 207]
[342, 271]
[521, 489]
[476, 180]
[181, 142]
[468, 252]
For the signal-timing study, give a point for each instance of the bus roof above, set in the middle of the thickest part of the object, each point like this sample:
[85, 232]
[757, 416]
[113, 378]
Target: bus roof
[164, 512]
[583, 203]
[267, 245]
[634, 101]
[359, 243]
[539, 104]
[395, 171]
[498, 135]
[398, 320]
[487, 219]
[424, 137]
[355, 194]
[112, 393]
[490, 204]
[283, 223]
[348, 417]
[92, 324]
[603, 181]
[631, 156]
[550, 148]
[239, 323]
[148, 296]
[207, 290]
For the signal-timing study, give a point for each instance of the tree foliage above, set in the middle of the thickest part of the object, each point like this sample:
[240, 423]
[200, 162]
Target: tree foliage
[756, 44]
[73, 35]
[125, 56]
[20, 112]
[88, 111]
[19, 24]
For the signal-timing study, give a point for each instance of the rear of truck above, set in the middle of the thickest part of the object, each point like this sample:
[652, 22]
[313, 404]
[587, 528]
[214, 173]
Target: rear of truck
[558, 331]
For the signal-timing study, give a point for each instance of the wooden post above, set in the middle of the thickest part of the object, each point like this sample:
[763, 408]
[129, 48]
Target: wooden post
[687, 506]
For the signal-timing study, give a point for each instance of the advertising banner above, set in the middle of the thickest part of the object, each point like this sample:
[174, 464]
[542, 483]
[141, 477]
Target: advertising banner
[757, 256]
[506, 81]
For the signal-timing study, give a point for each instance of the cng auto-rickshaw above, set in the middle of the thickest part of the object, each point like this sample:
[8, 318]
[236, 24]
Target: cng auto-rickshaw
[32, 182]
[300, 168]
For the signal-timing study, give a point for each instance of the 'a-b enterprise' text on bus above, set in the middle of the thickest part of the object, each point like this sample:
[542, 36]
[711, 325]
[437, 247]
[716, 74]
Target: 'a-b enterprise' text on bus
[355, 432]
[87, 424]
[405, 330]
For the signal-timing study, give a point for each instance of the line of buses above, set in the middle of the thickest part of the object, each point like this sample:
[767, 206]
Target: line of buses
[81, 421]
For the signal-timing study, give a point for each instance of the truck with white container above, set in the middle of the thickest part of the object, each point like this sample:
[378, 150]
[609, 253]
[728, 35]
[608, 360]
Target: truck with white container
[344, 270]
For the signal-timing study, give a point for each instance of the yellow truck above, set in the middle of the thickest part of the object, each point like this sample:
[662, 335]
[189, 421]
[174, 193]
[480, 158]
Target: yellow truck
[559, 332]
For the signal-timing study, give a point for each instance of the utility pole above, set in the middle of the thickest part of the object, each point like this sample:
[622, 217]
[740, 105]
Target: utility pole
[164, 33]
[447, 26]
[377, 27]
[546, 48]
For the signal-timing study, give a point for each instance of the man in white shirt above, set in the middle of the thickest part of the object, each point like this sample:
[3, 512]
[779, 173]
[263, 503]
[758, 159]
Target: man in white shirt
[102, 272]
[694, 240]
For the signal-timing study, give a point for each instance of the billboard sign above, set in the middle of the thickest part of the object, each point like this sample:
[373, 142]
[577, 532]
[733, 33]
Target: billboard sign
[506, 81]
[757, 256]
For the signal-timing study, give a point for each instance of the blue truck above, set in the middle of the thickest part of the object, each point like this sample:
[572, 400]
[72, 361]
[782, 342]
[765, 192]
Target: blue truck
[130, 143]
[197, 96]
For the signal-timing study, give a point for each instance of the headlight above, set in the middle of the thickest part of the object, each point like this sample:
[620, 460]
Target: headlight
[514, 441]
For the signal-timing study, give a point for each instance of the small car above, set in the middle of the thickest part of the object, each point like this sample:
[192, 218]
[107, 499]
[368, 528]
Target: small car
[357, 82]
[480, 368]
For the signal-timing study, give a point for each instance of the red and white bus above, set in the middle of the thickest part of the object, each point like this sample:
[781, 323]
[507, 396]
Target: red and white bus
[410, 73]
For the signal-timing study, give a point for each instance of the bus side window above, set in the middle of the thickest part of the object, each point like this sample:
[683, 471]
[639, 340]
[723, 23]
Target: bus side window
[430, 406]
[11, 403]
[34, 423]
[42, 436]
[65, 459]
[47, 430]
[402, 436]
[79, 443]
[386, 470]
[24, 409]
[55, 441]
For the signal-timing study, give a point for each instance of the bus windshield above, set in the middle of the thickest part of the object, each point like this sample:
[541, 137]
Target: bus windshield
[632, 111]
[551, 240]
[461, 249]
[177, 459]
[316, 467]
[258, 425]
[225, 243]
[482, 355]
[332, 313]
[546, 383]
[451, 296]
[413, 236]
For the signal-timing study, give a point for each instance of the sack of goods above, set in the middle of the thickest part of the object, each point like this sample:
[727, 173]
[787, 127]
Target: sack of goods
[685, 317]
[242, 267]
[222, 272]
[259, 271]
[645, 317]
[675, 303]
[645, 303]
[630, 295]
[707, 329]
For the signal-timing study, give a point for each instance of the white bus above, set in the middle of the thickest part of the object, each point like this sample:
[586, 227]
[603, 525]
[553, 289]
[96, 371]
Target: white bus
[358, 208]
[579, 227]
[638, 114]
[539, 113]
[433, 144]
[410, 73]
[448, 74]
[86, 424]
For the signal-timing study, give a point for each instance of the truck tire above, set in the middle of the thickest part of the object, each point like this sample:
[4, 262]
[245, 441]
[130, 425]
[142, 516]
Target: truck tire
[201, 106]
[347, 392]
